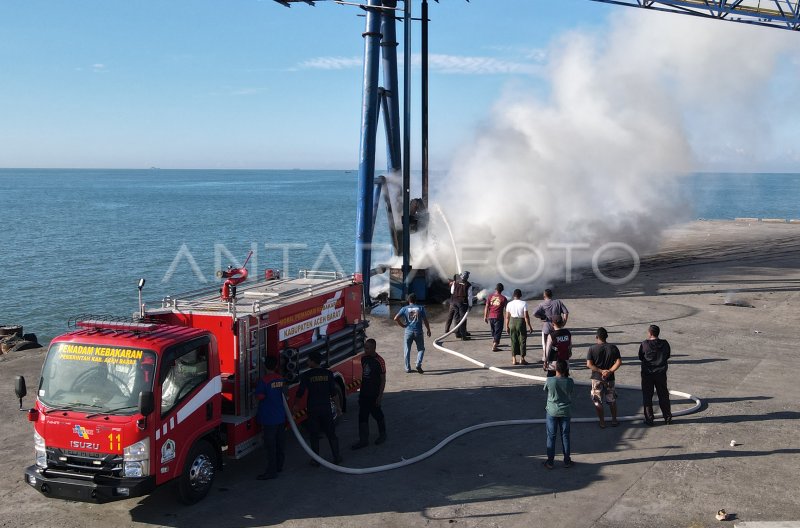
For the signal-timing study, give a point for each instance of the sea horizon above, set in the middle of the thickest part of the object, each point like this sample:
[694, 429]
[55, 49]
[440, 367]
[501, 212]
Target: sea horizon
[76, 240]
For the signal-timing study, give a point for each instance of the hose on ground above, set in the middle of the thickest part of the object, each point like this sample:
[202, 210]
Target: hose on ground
[407, 462]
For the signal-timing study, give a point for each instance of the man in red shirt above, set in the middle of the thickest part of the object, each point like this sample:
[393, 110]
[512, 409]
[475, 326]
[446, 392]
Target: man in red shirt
[493, 313]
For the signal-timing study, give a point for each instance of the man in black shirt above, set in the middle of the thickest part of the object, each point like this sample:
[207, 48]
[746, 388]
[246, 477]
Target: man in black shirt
[373, 381]
[321, 387]
[603, 360]
[654, 354]
[558, 347]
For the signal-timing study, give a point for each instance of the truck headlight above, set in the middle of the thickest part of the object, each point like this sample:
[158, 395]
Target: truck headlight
[41, 450]
[136, 459]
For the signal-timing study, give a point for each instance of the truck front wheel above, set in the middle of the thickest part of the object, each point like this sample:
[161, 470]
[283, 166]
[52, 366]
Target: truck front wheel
[198, 473]
[340, 403]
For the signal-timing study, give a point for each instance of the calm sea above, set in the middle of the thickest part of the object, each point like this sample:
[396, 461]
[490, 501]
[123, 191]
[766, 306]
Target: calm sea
[77, 241]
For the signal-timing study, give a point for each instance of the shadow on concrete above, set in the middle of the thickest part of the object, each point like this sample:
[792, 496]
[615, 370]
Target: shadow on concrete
[711, 401]
[474, 468]
[721, 453]
[739, 418]
[627, 360]
[481, 466]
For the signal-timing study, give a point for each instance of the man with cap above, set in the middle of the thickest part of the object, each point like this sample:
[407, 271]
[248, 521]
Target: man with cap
[461, 298]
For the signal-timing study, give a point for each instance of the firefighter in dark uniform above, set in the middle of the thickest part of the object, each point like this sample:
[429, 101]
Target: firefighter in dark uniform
[451, 314]
[321, 387]
[461, 299]
[270, 392]
[373, 381]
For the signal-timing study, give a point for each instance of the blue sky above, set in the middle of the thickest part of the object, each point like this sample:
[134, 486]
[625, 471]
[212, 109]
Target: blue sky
[247, 83]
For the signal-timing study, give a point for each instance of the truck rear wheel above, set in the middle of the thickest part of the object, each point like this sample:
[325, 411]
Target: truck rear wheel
[198, 473]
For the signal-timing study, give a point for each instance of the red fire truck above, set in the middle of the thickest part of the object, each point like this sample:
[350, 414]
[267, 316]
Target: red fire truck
[124, 407]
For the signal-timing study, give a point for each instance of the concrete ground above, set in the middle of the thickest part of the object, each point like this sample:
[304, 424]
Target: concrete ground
[741, 360]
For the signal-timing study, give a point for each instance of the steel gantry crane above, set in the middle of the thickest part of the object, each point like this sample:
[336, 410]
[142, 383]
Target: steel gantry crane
[381, 46]
[781, 14]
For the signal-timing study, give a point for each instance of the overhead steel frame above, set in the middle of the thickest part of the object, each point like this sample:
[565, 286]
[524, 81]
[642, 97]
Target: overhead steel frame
[781, 14]
[380, 46]
[368, 193]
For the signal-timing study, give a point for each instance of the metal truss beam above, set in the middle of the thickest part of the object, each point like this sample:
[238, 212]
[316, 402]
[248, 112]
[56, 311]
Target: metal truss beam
[781, 14]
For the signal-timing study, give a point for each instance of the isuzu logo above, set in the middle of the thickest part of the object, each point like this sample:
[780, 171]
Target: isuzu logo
[84, 445]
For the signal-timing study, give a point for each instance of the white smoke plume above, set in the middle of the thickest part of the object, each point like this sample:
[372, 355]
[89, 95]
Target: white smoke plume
[629, 111]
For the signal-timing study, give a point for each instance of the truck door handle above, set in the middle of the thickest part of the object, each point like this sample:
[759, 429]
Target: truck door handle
[209, 410]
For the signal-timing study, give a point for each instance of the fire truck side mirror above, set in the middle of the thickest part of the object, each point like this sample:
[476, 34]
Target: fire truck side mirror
[19, 387]
[146, 403]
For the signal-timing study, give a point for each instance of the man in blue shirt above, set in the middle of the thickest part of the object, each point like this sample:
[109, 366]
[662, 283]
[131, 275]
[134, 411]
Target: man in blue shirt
[272, 417]
[412, 317]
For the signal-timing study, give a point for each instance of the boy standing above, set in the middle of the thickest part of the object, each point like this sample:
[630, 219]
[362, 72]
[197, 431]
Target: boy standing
[493, 314]
[559, 409]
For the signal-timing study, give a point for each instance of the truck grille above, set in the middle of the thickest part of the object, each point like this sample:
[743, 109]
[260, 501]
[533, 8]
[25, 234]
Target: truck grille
[84, 463]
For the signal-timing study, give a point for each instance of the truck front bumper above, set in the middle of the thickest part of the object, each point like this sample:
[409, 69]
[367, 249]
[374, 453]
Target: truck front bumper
[97, 489]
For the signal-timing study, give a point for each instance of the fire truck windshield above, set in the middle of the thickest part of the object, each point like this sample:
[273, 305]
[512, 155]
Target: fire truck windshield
[99, 378]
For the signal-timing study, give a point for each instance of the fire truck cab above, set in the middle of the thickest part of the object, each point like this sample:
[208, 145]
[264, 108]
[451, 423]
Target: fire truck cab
[124, 407]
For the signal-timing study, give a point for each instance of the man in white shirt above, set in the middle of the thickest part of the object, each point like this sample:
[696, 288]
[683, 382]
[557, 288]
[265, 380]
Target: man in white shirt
[518, 325]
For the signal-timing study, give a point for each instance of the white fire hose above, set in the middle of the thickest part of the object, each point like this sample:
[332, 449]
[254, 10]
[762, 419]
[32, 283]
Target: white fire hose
[437, 344]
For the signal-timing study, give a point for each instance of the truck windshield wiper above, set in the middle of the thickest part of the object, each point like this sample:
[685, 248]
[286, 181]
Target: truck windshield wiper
[72, 406]
[111, 411]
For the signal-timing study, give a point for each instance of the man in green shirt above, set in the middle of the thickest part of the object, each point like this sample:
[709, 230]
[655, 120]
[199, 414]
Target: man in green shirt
[559, 390]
